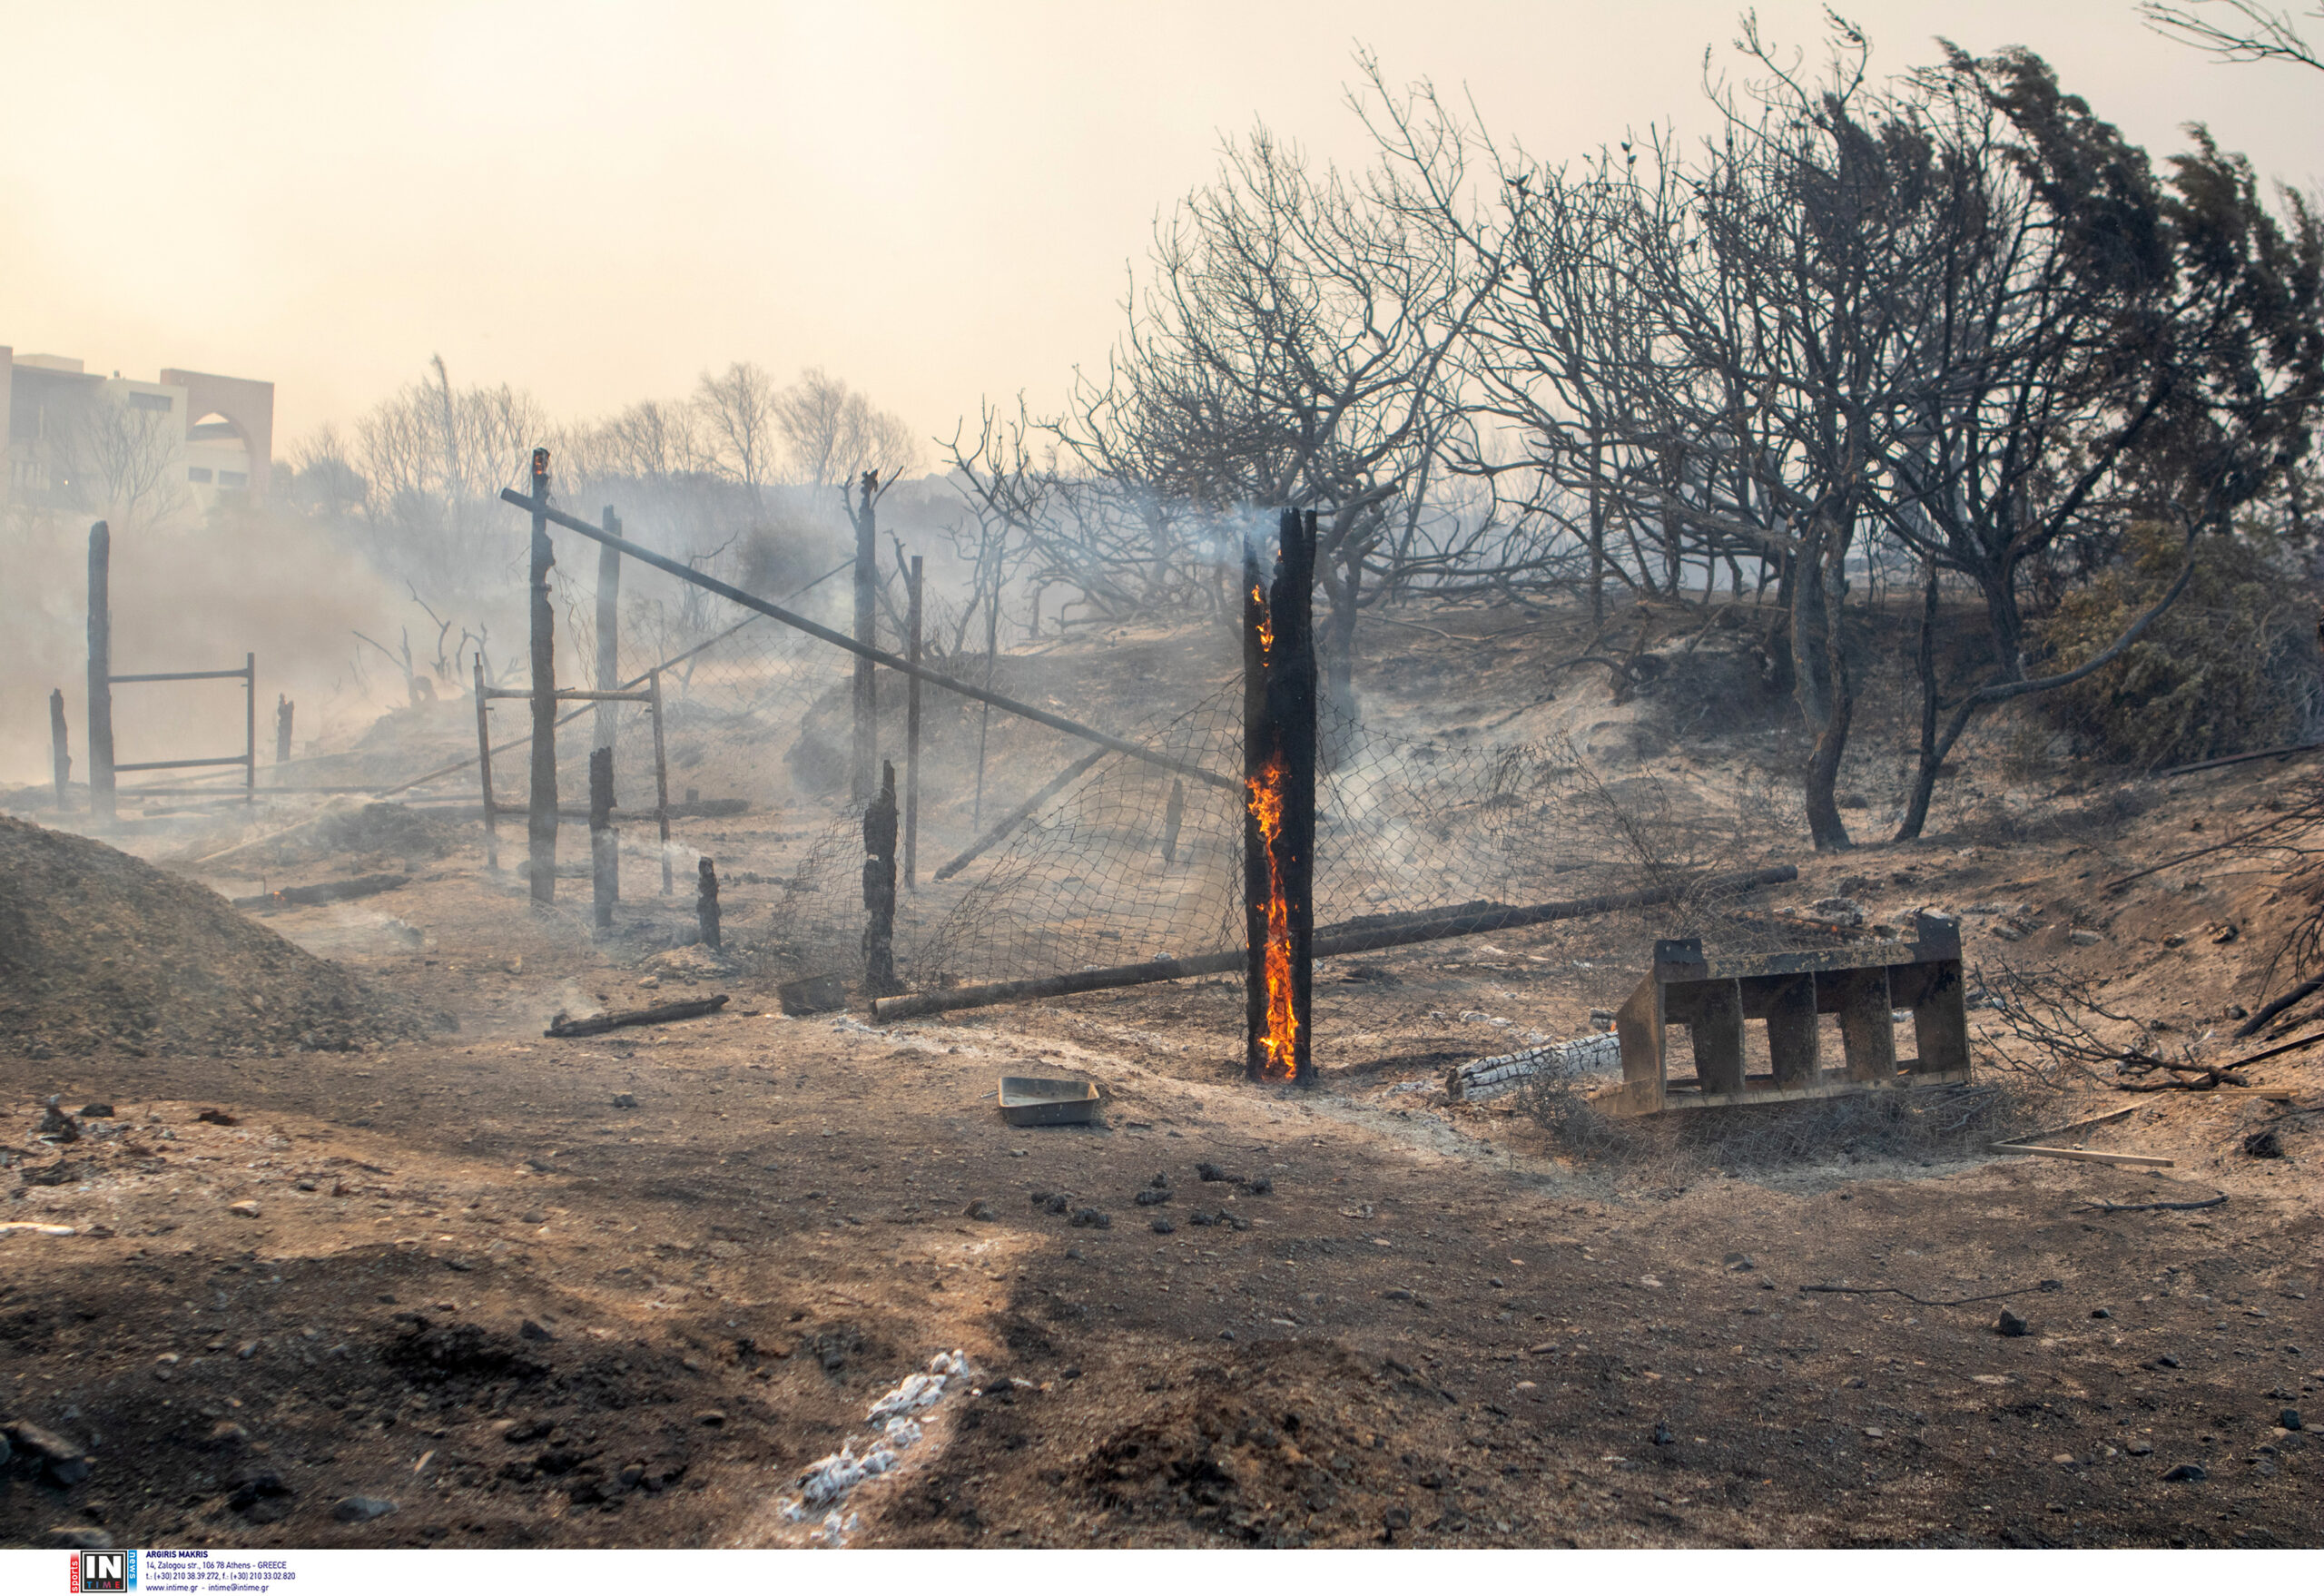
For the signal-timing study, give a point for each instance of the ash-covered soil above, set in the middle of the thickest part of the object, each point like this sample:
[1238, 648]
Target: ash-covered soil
[1392, 1319]
[100, 951]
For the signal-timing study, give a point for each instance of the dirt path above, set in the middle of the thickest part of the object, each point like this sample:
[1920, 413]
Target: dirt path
[1408, 1322]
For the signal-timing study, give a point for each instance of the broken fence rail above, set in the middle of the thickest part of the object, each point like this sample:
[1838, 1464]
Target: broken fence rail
[1330, 942]
[660, 1014]
[878, 657]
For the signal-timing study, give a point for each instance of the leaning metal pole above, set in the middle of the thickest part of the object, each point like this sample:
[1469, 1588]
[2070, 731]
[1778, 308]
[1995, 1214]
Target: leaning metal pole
[1279, 804]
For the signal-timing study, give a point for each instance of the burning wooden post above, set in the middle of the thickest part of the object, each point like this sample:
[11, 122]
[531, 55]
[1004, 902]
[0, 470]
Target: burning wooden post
[608, 631]
[705, 903]
[283, 712]
[60, 752]
[911, 738]
[100, 806]
[661, 775]
[540, 814]
[1279, 803]
[605, 843]
[879, 888]
[866, 746]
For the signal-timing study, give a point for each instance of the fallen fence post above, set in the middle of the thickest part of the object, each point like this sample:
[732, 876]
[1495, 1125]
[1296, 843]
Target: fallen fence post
[660, 1014]
[1016, 816]
[685, 573]
[59, 752]
[1330, 942]
[101, 778]
[540, 812]
[912, 739]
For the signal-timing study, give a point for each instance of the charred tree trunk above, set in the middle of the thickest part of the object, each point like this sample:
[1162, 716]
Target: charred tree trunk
[1924, 772]
[879, 818]
[540, 814]
[284, 710]
[1821, 687]
[1279, 803]
[605, 843]
[60, 751]
[866, 747]
[100, 806]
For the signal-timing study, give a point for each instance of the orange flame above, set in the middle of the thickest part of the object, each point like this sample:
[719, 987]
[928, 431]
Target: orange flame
[1282, 1021]
[1266, 624]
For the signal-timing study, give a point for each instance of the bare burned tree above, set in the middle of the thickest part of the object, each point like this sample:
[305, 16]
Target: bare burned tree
[1294, 345]
[2236, 30]
[2103, 347]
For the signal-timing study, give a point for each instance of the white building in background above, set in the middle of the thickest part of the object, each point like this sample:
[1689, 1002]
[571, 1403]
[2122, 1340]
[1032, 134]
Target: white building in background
[177, 447]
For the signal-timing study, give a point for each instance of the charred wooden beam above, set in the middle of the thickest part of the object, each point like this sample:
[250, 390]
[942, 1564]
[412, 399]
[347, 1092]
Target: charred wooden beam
[362, 886]
[705, 903]
[1330, 942]
[880, 824]
[660, 1014]
[1279, 803]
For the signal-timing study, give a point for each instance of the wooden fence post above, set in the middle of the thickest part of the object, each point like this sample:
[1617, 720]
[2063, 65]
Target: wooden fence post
[866, 747]
[101, 800]
[249, 728]
[60, 751]
[705, 903]
[604, 843]
[608, 630]
[912, 740]
[540, 814]
[661, 780]
[879, 888]
[484, 769]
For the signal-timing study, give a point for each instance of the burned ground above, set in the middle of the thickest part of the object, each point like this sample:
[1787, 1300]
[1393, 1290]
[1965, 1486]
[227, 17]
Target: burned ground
[451, 1274]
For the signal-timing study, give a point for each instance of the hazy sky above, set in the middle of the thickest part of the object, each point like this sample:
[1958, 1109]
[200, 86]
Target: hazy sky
[937, 202]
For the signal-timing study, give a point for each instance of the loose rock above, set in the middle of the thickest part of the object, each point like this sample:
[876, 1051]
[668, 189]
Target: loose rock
[2186, 1473]
[360, 1510]
[2009, 1323]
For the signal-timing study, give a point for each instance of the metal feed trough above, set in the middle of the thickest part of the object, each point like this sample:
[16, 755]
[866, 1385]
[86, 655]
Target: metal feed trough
[1866, 985]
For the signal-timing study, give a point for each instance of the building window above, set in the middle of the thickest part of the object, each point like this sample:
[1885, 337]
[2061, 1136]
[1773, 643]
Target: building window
[233, 478]
[151, 401]
[197, 473]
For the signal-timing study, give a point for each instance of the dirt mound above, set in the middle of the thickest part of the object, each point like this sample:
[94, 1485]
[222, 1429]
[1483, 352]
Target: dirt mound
[98, 949]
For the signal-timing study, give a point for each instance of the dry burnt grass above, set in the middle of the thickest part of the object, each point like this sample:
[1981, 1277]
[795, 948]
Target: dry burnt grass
[1437, 1324]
